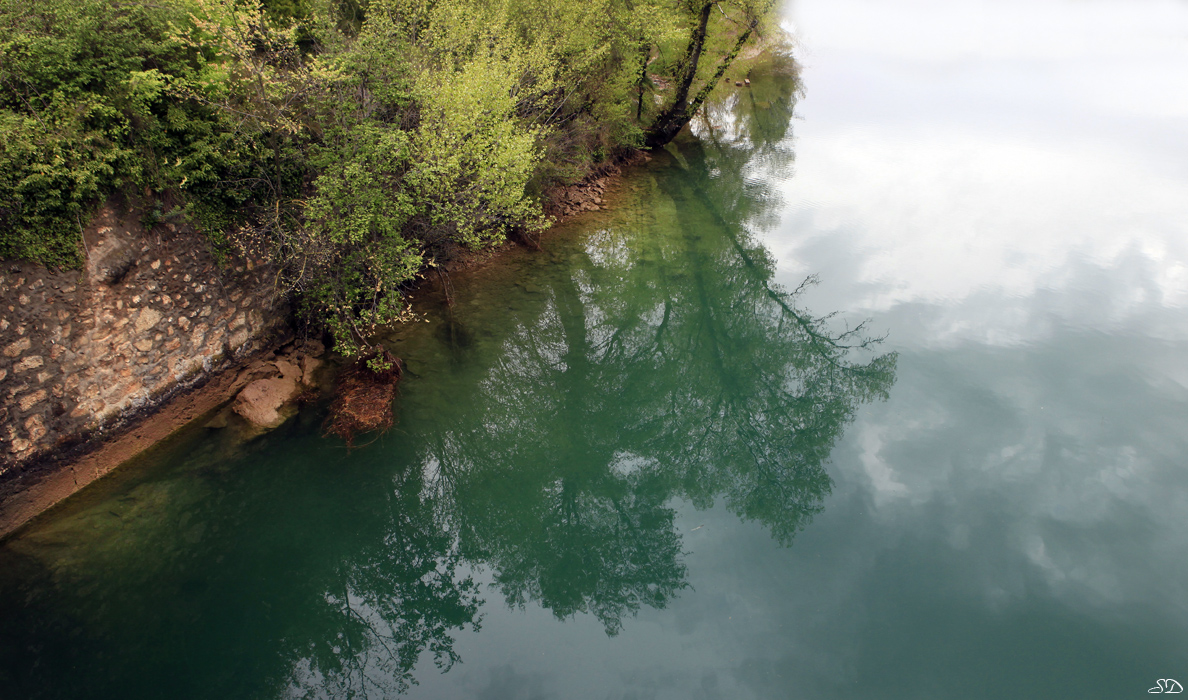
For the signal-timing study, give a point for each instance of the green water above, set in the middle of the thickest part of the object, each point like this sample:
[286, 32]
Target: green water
[641, 464]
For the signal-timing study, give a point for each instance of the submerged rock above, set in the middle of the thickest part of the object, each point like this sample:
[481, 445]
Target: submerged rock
[263, 402]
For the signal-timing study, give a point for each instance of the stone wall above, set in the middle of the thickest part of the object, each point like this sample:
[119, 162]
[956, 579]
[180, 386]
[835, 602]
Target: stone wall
[83, 353]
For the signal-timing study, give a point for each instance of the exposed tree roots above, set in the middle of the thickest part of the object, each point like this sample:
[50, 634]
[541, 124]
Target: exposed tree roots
[363, 397]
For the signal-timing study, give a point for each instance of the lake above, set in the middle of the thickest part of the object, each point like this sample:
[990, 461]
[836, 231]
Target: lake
[874, 386]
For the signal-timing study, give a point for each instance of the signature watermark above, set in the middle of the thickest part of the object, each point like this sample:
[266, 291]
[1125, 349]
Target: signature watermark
[1167, 685]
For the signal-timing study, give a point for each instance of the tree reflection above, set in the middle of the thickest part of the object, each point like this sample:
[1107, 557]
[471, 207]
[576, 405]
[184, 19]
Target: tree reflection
[657, 362]
[400, 595]
[662, 363]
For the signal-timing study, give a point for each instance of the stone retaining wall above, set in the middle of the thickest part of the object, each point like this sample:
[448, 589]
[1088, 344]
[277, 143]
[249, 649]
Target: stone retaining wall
[83, 352]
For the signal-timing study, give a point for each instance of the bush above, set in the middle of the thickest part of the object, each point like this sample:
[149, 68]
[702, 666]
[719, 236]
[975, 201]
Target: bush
[348, 142]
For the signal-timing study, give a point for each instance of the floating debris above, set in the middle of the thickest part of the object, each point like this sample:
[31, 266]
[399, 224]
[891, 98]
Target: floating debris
[363, 396]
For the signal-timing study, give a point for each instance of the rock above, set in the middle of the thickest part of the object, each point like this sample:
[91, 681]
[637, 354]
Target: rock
[30, 400]
[36, 427]
[309, 364]
[143, 345]
[288, 368]
[16, 348]
[147, 319]
[260, 401]
[110, 256]
[238, 339]
[30, 362]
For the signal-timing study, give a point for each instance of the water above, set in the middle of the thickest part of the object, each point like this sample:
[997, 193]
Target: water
[635, 465]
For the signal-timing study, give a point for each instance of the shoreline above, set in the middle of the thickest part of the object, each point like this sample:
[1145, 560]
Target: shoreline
[45, 483]
[41, 487]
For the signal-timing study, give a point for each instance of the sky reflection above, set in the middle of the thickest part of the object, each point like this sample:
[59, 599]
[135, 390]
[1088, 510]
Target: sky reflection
[947, 149]
[1003, 188]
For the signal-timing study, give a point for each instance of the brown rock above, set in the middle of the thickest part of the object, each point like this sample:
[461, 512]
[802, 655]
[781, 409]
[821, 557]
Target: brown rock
[238, 339]
[16, 348]
[288, 368]
[36, 427]
[314, 348]
[260, 401]
[30, 400]
[30, 362]
[147, 319]
[309, 364]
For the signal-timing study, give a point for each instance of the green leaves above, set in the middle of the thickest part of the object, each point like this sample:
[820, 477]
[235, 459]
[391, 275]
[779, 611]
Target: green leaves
[474, 159]
[346, 142]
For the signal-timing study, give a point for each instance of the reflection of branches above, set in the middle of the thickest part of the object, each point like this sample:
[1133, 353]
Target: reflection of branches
[700, 367]
[672, 352]
[399, 597]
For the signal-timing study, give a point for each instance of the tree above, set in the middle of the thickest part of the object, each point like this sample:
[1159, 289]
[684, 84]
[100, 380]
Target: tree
[738, 22]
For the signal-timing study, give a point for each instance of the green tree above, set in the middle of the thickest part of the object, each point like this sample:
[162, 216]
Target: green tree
[351, 144]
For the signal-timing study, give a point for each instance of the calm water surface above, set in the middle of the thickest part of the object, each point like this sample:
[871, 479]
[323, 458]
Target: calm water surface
[648, 463]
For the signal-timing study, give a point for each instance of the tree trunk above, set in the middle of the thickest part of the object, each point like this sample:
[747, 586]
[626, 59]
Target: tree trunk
[645, 53]
[672, 120]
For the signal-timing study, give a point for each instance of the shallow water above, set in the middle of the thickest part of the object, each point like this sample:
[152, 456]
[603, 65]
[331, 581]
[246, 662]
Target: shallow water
[637, 465]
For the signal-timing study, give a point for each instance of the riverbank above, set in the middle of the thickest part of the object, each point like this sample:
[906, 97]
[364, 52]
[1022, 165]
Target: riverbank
[163, 336]
[146, 388]
[87, 355]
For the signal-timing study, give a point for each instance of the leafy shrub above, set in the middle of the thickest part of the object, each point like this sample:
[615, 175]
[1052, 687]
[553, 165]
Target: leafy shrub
[349, 142]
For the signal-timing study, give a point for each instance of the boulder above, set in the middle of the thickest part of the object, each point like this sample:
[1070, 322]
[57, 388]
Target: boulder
[309, 364]
[288, 368]
[260, 401]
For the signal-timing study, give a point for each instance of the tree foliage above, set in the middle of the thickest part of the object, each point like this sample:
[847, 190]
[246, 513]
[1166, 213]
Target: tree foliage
[349, 142]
